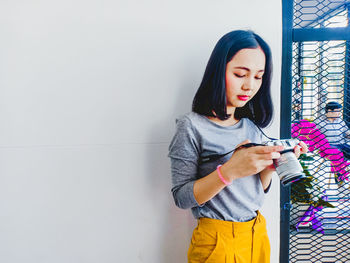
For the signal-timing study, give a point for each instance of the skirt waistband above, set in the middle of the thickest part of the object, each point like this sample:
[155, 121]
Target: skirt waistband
[223, 226]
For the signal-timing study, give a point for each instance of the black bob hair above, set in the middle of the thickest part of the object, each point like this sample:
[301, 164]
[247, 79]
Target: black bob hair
[210, 99]
[333, 105]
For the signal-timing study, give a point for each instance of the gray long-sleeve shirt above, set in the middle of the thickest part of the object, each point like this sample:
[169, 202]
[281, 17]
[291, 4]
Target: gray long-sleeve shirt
[196, 136]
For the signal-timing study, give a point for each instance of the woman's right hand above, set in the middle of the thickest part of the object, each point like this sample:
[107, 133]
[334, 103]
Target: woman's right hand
[248, 161]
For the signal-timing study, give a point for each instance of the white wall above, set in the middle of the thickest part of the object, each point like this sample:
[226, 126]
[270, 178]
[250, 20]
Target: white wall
[89, 94]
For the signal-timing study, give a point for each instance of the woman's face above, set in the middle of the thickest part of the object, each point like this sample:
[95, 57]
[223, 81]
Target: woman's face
[244, 77]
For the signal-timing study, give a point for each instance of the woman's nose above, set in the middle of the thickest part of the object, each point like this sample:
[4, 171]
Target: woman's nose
[248, 84]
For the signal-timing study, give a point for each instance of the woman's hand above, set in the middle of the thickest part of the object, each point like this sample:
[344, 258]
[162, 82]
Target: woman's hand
[248, 161]
[300, 149]
[244, 162]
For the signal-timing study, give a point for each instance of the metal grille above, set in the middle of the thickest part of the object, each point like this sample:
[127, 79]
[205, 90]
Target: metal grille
[318, 77]
[320, 214]
[320, 13]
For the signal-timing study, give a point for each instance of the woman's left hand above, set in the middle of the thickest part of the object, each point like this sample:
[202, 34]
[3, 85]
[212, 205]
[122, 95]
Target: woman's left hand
[300, 149]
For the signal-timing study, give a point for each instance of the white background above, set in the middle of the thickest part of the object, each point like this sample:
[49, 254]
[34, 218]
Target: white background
[89, 93]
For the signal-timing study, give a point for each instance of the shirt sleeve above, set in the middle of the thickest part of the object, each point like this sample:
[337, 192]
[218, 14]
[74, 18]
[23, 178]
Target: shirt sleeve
[184, 154]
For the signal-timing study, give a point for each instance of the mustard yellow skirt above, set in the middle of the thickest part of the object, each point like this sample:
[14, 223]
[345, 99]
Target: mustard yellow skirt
[218, 241]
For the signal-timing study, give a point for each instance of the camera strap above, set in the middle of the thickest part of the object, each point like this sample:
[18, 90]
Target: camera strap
[214, 157]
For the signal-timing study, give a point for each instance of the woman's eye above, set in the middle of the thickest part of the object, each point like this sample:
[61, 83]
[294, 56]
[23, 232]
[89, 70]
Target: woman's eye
[258, 77]
[239, 76]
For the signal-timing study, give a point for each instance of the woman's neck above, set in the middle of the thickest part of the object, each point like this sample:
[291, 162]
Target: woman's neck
[229, 122]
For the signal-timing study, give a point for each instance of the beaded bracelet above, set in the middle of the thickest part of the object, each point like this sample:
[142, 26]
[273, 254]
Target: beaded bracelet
[220, 175]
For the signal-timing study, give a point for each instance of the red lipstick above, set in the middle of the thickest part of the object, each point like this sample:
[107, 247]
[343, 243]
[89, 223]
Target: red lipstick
[243, 97]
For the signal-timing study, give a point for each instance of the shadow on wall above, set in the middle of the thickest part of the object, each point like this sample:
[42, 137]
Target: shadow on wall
[176, 225]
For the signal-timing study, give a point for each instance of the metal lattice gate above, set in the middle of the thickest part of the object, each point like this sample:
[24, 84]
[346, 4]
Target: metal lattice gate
[316, 93]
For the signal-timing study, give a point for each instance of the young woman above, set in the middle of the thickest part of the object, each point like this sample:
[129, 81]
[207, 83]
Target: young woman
[226, 191]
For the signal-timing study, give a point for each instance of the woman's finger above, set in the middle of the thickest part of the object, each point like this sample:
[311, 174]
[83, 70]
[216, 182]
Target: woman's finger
[304, 148]
[269, 156]
[267, 149]
[297, 151]
[242, 143]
